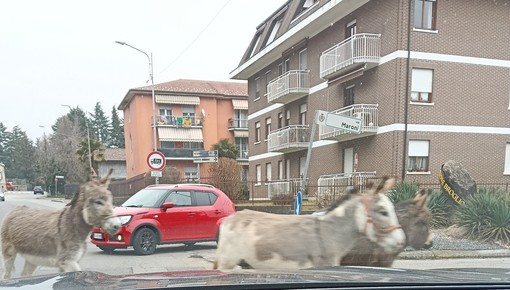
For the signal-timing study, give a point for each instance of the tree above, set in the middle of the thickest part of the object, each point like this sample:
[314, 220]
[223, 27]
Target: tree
[20, 155]
[4, 140]
[226, 175]
[100, 124]
[116, 130]
[96, 153]
[226, 149]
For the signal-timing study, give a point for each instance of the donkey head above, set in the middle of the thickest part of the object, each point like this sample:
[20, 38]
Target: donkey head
[97, 202]
[415, 217]
[380, 223]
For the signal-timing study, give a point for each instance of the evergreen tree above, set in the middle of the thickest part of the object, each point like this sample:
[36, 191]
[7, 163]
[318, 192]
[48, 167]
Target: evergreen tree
[100, 125]
[21, 153]
[4, 138]
[226, 149]
[116, 130]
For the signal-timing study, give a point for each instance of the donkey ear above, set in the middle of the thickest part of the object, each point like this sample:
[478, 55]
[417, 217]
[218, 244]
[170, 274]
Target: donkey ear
[386, 184]
[106, 180]
[421, 198]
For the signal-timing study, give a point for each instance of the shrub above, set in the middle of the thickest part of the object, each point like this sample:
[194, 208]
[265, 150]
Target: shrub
[403, 191]
[486, 215]
[440, 208]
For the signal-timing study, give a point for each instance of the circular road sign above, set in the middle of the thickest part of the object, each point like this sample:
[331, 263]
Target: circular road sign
[156, 160]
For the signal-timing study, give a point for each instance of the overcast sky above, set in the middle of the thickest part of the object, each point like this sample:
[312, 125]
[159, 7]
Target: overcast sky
[64, 52]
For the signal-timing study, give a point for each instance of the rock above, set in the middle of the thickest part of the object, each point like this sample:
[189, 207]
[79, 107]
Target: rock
[456, 232]
[458, 178]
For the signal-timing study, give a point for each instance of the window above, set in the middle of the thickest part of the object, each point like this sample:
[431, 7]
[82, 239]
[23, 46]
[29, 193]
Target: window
[165, 114]
[257, 132]
[350, 29]
[281, 173]
[302, 114]
[267, 78]
[284, 66]
[421, 86]
[287, 169]
[305, 4]
[303, 65]
[302, 163]
[349, 96]
[191, 173]
[203, 198]
[507, 159]
[280, 120]
[258, 171]
[188, 115]
[276, 25]
[254, 47]
[268, 172]
[242, 144]
[418, 156]
[179, 198]
[257, 88]
[268, 127]
[240, 119]
[287, 118]
[425, 14]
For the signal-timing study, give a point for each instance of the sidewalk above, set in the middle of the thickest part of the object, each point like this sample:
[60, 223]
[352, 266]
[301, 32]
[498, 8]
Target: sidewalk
[452, 254]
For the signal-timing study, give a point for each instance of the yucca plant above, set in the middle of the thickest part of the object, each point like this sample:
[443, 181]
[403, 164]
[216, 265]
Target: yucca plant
[403, 191]
[441, 209]
[486, 215]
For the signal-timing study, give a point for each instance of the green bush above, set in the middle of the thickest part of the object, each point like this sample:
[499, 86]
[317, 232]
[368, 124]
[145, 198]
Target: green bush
[403, 191]
[486, 215]
[440, 208]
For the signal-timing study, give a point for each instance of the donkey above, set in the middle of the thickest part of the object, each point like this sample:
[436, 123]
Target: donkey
[260, 240]
[57, 238]
[414, 216]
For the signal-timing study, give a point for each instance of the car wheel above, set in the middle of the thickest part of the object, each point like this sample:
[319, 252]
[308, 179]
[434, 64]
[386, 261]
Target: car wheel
[107, 250]
[144, 241]
[190, 244]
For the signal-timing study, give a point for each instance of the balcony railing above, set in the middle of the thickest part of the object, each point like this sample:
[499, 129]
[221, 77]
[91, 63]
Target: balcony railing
[179, 121]
[368, 113]
[336, 184]
[178, 153]
[355, 51]
[238, 124]
[288, 139]
[287, 186]
[242, 155]
[289, 87]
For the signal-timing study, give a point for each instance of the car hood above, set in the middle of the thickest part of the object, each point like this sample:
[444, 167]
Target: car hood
[255, 279]
[130, 210]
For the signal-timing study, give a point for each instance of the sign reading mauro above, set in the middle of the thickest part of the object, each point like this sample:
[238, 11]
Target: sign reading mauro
[456, 182]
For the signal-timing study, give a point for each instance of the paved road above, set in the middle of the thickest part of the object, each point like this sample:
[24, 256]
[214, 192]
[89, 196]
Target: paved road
[179, 257]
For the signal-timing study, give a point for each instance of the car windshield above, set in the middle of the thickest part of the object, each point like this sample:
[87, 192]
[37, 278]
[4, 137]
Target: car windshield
[255, 136]
[146, 198]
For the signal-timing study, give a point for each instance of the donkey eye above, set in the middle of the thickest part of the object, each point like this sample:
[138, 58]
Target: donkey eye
[383, 212]
[99, 202]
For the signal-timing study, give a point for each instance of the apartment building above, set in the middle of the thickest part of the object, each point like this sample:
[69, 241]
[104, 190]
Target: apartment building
[190, 115]
[429, 80]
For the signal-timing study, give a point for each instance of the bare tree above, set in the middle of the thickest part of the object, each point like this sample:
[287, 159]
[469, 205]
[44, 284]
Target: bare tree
[226, 175]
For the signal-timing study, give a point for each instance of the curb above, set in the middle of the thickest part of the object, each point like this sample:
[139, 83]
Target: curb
[452, 254]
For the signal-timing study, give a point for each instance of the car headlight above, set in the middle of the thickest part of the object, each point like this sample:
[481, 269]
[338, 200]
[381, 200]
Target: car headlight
[125, 219]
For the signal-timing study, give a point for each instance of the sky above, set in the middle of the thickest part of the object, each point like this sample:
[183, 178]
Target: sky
[56, 53]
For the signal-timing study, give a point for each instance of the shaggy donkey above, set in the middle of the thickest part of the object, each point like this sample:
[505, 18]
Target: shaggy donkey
[57, 238]
[414, 216]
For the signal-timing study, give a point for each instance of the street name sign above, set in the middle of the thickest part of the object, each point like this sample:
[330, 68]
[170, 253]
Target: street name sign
[156, 160]
[204, 156]
[338, 121]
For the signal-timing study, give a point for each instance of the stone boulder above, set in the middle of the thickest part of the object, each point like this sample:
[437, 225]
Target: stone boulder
[459, 179]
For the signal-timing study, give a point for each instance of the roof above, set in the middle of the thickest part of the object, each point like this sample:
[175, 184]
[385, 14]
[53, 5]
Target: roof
[191, 87]
[115, 154]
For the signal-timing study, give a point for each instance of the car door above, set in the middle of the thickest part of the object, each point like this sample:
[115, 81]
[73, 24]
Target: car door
[207, 214]
[178, 222]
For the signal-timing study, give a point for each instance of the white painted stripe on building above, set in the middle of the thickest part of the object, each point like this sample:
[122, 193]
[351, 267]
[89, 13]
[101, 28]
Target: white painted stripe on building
[445, 58]
[265, 110]
[264, 156]
[444, 129]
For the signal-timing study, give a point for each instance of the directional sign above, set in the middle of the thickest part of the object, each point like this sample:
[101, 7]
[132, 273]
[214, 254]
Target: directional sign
[205, 159]
[156, 160]
[205, 153]
[346, 123]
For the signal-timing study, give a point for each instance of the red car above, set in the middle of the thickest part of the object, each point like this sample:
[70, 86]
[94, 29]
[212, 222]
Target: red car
[163, 214]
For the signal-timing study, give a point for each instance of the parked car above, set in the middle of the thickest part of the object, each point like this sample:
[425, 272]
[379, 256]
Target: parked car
[2, 195]
[163, 214]
[38, 189]
[9, 186]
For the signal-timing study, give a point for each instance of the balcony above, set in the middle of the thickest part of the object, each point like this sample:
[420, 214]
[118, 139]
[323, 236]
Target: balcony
[237, 124]
[357, 51]
[242, 156]
[178, 153]
[336, 184]
[288, 139]
[289, 87]
[179, 121]
[286, 186]
[368, 113]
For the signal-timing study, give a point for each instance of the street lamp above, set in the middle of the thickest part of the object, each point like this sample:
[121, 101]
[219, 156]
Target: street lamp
[151, 75]
[88, 141]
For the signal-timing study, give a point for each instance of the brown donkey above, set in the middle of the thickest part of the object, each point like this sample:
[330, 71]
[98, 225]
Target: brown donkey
[414, 217]
[57, 238]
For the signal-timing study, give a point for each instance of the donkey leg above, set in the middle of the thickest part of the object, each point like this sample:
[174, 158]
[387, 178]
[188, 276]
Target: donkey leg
[68, 266]
[28, 269]
[9, 255]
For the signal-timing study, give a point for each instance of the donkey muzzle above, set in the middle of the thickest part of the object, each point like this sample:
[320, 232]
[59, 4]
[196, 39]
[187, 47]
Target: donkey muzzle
[111, 225]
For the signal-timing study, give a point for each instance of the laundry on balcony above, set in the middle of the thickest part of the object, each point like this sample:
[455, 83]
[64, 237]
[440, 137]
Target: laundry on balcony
[187, 122]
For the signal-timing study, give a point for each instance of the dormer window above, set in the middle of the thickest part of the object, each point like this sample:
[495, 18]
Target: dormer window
[274, 29]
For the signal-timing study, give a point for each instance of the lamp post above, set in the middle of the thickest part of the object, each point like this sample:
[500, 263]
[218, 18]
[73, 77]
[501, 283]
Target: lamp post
[88, 141]
[151, 75]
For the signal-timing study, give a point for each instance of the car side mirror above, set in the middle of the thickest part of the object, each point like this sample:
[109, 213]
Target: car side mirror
[167, 205]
